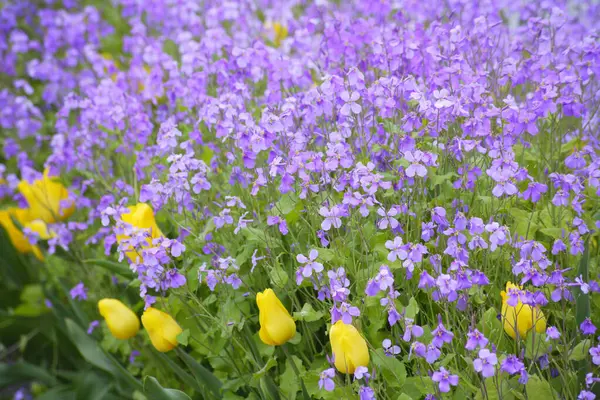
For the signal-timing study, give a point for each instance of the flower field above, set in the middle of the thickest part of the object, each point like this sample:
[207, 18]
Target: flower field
[299, 199]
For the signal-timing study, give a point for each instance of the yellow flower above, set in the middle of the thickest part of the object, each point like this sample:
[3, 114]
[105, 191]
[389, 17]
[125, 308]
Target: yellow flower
[281, 32]
[46, 198]
[349, 348]
[520, 318]
[162, 329]
[16, 236]
[276, 323]
[121, 321]
[140, 216]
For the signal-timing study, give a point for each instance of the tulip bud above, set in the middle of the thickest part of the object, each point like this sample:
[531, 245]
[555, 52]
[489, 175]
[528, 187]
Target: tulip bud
[46, 198]
[349, 348]
[276, 323]
[520, 318]
[121, 321]
[16, 236]
[162, 329]
[140, 216]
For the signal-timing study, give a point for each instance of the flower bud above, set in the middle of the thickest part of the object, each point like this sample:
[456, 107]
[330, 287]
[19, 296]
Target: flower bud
[47, 198]
[121, 321]
[161, 328]
[349, 348]
[520, 318]
[276, 323]
[140, 216]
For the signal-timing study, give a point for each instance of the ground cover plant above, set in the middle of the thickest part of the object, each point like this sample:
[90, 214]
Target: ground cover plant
[299, 199]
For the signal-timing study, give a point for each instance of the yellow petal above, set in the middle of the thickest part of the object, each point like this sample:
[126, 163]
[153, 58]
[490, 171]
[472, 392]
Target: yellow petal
[140, 216]
[161, 328]
[276, 324]
[45, 198]
[349, 348]
[121, 321]
[16, 237]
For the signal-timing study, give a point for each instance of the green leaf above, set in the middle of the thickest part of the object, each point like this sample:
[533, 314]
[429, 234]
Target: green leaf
[391, 368]
[113, 267]
[203, 376]
[21, 372]
[325, 255]
[581, 351]
[154, 391]
[289, 383]
[278, 276]
[412, 309]
[89, 349]
[308, 314]
[538, 388]
[286, 204]
[261, 237]
[62, 392]
[272, 362]
[418, 386]
[554, 233]
[183, 337]
[179, 371]
[490, 322]
[535, 345]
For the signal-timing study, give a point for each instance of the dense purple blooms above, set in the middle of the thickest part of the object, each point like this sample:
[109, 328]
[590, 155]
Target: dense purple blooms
[314, 141]
[444, 379]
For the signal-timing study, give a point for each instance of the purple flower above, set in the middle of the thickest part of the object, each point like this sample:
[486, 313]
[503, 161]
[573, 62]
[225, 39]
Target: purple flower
[595, 353]
[441, 335]
[326, 380]
[485, 363]
[415, 168]
[92, 326]
[350, 103]
[397, 249]
[475, 339]
[534, 191]
[79, 292]
[383, 281]
[255, 260]
[586, 395]
[332, 217]
[309, 264]
[133, 355]
[444, 379]
[366, 393]
[345, 312]
[276, 220]
[173, 279]
[587, 327]
[511, 364]
[552, 333]
[362, 372]
[432, 353]
[388, 218]
[390, 350]
[411, 330]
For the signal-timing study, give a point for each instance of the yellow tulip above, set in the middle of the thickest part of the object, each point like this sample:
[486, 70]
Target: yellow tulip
[349, 348]
[140, 216]
[276, 323]
[16, 236]
[281, 32]
[46, 197]
[121, 321]
[162, 329]
[520, 318]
